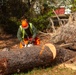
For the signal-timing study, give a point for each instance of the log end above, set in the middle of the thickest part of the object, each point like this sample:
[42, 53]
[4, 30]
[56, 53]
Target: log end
[52, 48]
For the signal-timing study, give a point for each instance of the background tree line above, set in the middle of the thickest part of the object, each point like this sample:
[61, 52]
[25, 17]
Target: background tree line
[11, 12]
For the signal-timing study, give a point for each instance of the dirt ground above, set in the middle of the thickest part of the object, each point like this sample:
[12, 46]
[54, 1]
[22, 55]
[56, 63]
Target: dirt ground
[8, 41]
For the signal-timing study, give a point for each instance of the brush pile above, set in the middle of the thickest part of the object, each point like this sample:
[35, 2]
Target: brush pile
[65, 35]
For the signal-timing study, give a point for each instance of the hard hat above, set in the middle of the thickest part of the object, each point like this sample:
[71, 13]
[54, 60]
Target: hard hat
[24, 24]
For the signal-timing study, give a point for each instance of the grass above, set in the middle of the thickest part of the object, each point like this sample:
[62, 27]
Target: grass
[50, 71]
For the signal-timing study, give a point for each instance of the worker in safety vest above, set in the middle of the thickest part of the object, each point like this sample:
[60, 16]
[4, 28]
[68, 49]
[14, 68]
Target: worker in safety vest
[27, 33]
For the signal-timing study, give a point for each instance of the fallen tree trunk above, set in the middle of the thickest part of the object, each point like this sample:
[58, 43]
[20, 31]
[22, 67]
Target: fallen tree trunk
[66, 33]
[15, 61]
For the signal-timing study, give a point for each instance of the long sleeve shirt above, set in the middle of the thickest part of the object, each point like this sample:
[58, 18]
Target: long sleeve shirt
[31, 31]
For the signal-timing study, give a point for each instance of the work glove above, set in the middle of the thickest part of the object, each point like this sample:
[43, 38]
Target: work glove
[22, 42]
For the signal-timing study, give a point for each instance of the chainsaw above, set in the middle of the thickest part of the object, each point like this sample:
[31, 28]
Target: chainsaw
[28, 45]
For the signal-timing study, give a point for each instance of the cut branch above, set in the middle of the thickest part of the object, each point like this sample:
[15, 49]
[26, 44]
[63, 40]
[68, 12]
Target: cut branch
[60, 22]
[53, 27]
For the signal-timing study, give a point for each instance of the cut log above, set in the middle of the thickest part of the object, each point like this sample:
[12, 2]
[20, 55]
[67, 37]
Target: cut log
[15, 61]
[63, 55]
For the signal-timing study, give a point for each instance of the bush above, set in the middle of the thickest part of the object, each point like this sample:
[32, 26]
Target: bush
[41, 22]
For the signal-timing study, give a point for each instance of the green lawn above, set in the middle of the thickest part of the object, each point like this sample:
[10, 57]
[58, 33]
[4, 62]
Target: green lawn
[50, 71]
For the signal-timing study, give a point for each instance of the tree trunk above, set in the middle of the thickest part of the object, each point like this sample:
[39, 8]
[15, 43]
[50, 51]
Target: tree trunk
[15, 61]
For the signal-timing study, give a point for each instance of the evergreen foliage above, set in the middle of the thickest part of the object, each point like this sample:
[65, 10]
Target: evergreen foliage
[12, 11]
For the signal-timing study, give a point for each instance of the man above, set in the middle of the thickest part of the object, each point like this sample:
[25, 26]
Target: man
[27, 34]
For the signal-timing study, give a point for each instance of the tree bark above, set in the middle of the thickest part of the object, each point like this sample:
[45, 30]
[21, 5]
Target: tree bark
[15, 61]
